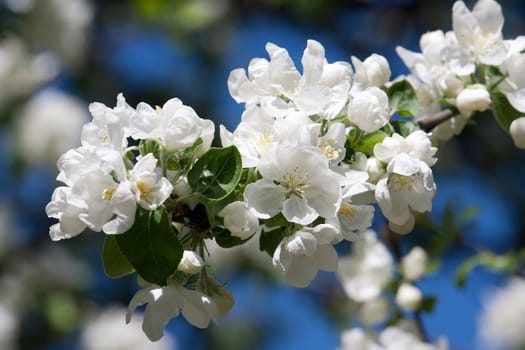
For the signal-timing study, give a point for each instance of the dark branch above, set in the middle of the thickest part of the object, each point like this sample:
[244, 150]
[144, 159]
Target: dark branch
[429, 122]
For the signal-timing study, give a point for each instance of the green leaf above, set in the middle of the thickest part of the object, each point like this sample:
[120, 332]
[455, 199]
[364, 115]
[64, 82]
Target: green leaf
[216, 174]
[503, 110]
[404, 127]
[151, 246]
[499, 263]
[367, 142]
[224, 238]
[149, 146]
[403, 99]
[269, 240]
[115, 263]
[428, 304]
[276, 221]
[183, 159]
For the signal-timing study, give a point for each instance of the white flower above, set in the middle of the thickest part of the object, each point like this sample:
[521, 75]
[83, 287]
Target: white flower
[151, 189]
[110, 126]
[279, 88]
[302, 254]
[297, 182]
[93, 198]
[357, 339]
[517, 132]
[354, 216]
[473, 98]
[191, 263]
[408, 297]
[239, 220]
[364, 273]
[165, 303]
[479, 31]
[374, 71]
[108, 331]
[369, 109]
[397, 338]
[514, 85]
[503, 315]
[413, 264]
[409, 185]
[374, 311]
[417, 145]
[49, 125]
[175, 125]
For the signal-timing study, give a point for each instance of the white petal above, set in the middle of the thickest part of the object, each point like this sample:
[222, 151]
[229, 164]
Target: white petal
[296, 209]
[264, 198]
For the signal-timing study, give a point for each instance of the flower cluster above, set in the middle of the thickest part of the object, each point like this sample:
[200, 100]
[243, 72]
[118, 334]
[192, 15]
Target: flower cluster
[471, 68]
[315, 154]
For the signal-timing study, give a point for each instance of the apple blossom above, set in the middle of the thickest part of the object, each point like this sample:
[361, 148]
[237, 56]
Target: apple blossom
[517, 131]
[239, 220]
[165, 303]
[300, 255]
[413, 265]
[473, 98]
[368, 109]
[190, 263]
[408, 297]
[296, 182]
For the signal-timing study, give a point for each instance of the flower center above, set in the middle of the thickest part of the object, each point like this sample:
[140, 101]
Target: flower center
[347, 210]
[107, 194]
[398, 183]
[144, 189]
[295, 183]
[331, 152]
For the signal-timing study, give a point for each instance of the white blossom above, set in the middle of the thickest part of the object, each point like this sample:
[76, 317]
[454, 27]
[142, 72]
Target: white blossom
[503, 314]
[108, 331]
[517, 132]
[473, 98]
[165, 303]
[374, 71]
[369, 109]
[479, 31]
[409, 186]
[302, 254]
[417, 145]
[175, 125]
[369, 267]
[296, 182]
[37, 141]
[239, 220]
[190, 263]
[279, 88]
[374, 311]
[408, 297]
[413, 265]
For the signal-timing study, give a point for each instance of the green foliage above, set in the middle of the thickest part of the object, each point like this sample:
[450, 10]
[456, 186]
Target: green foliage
[503, 111]
[269, 240]
[224, 238]
[149, 146]
[403, 99]
[115, 264]
[183, 159]
[151, 246]
[366, 142]
[216, 174]
[507, 263]
[404, 127]
[428, 304]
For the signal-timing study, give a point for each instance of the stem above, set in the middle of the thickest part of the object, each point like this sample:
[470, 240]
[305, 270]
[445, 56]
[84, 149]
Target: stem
[427, 123]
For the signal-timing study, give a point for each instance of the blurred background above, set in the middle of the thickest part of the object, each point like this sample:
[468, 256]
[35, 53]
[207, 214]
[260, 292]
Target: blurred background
[57, 56]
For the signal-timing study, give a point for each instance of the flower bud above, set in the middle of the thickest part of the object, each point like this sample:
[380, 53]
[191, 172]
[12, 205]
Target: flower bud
[191, 263]
[473, 98]
[369, 109]
[374, 311]
[239, 220]
[409, 297]
[413, 264]
[377, 70]
[517, 131]
[375, 169]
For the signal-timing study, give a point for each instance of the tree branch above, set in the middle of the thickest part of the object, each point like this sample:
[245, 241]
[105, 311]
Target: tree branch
[429, 122]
